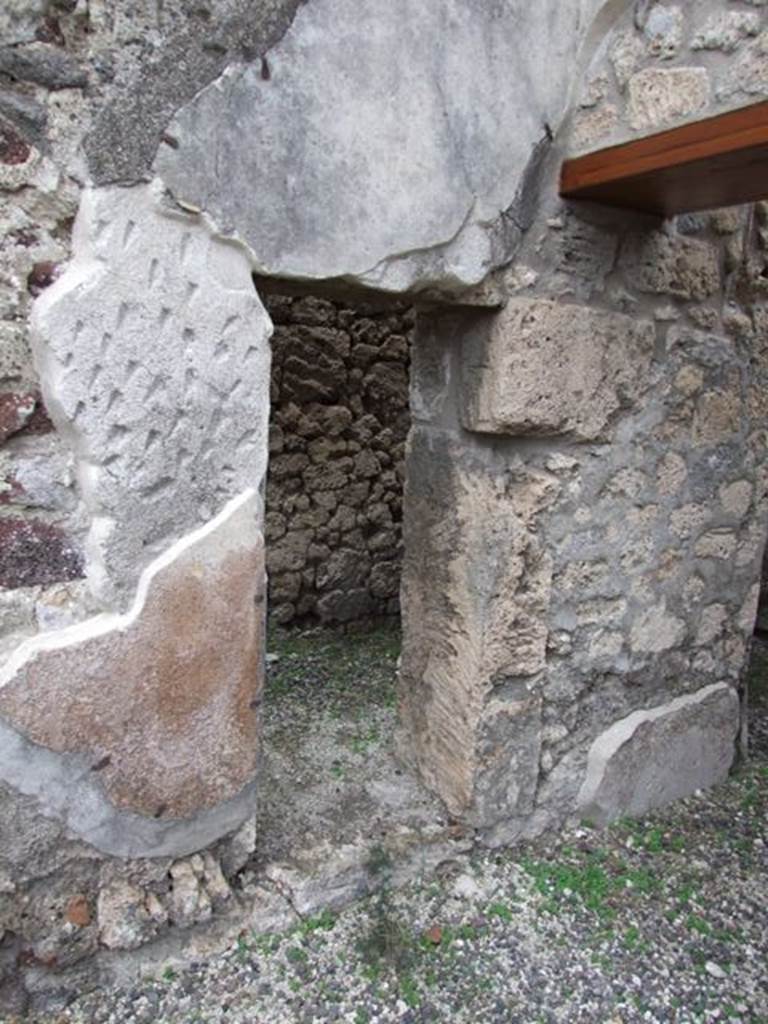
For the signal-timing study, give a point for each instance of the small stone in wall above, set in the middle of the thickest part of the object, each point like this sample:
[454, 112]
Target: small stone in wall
[34, 552]
[41, 479]
[601, 611]
[188, 903]
[41, 276]
[21, 411]
[671, 474]
[214, 881]
[585, 577]
[719, 544]
[664, 31]
[344, 605]
[728, 220]
[711, 622]
[662, 264]
[717, 418]
[593, 125]
[13, 149]
[704, 316]
[726, 31]
[735, 322]
[661, 96]
[689, 380]
[686, 520]
[126, 919]
[657, 630]
[628, 483]
[78, 911]
[62, 605]
[42, 64]
[736, 498]
[385, 579]
[626, 54]
[750, 545]
[237, 848]
[747, 73]
[594, 92]
[605, 644]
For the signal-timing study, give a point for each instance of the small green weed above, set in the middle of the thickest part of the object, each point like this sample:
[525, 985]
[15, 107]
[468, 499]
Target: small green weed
[409, 991]
[267, 943]
[324, 921]
[361, 743]
[696, 923]
[500, 910]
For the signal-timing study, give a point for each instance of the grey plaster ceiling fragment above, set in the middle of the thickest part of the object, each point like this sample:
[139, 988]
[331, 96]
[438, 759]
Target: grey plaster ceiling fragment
[380, 143]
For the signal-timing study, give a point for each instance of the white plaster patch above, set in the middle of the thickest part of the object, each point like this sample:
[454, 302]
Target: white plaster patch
[661, 754]
[154, 359]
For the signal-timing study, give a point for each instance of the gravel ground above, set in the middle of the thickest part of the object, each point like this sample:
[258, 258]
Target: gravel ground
[660, 919]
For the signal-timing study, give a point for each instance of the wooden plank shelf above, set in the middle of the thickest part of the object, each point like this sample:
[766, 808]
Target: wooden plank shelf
[719, 161]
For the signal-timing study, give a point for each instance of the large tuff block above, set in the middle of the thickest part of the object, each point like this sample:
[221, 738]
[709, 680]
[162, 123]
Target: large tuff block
[661, 96]
[545, 368]
[475, 593]
[654, 756]
[140, 730]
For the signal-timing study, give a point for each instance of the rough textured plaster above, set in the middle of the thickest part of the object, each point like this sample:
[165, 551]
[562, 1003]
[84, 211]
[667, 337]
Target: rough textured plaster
[184, 47]
[154, 360]
[153, 713]
[386, 140]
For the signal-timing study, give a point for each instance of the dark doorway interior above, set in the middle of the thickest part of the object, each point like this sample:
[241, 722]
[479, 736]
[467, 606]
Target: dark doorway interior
[339, 423]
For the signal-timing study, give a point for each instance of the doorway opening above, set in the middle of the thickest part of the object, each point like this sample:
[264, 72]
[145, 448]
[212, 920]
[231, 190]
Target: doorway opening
[756, 720]
[340, 417]
[339, 422]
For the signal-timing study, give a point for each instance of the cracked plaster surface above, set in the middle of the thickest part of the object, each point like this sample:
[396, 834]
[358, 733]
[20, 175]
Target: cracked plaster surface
[359, 149]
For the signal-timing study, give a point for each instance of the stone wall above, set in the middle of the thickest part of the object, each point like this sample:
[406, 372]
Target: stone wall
[672, 62]
[586, 503]
[586, 508]
[125, 483]
[337, 442]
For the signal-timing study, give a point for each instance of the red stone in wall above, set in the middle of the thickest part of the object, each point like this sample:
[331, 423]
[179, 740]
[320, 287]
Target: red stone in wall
[16, 410]
[22, 411]
[33, 552]
[13, 149]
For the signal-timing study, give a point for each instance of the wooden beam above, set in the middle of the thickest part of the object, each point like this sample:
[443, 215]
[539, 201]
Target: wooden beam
[720, 161]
